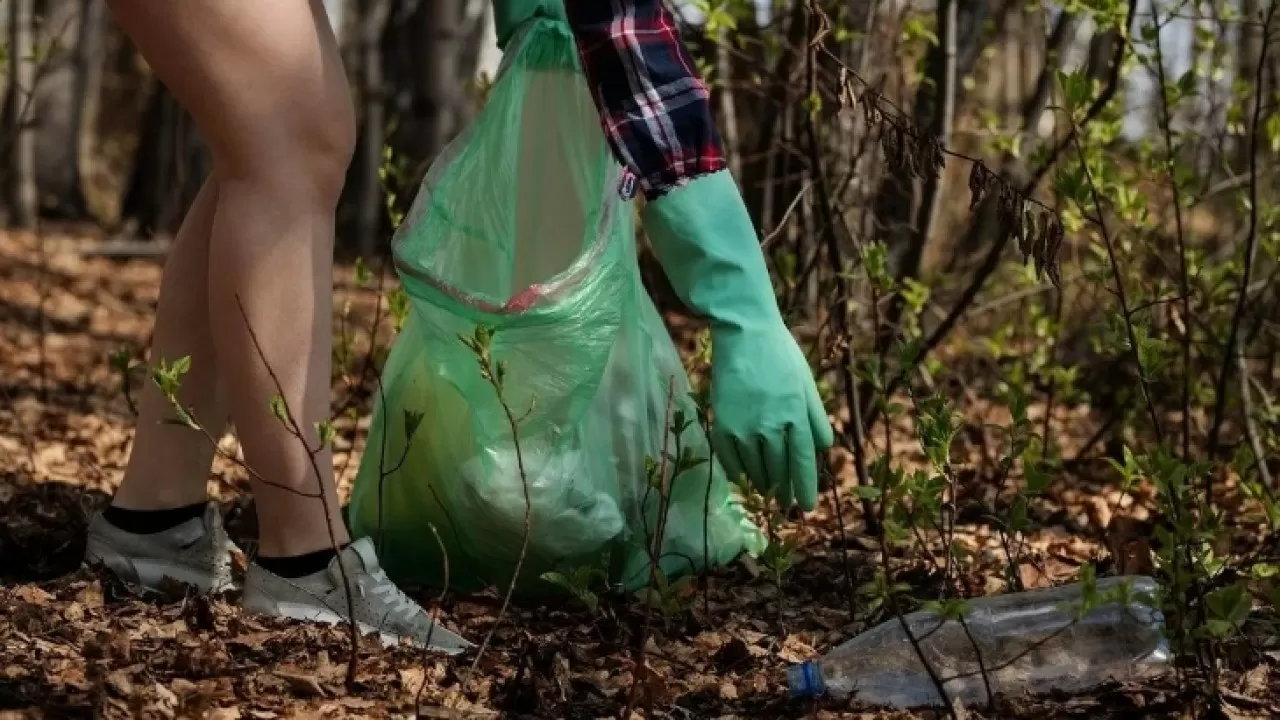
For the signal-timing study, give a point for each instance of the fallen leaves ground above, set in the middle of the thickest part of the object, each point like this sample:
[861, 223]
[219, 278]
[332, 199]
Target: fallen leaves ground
[74, 644]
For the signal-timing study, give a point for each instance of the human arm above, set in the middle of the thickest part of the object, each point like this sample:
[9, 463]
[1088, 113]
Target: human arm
[654, 108]
[769, 421]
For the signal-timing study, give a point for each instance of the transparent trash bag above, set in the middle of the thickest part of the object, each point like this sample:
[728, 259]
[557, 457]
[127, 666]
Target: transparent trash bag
[519, 227]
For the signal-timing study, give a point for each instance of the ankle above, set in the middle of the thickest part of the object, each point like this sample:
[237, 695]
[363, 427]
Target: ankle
[296, 528]
[274, 545]
[297, 566]
[156, 496]
[150, 522]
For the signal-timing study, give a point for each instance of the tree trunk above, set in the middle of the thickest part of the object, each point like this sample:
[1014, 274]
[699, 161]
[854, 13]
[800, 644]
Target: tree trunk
[59, 103]
[488, 56]
[6, 65]
[935, 111]
[370, 208]
[170, 164]
[896, 206]
[728, 108]
[411, 59]
[768, 182]
[441, 77]
[434, 47]
[90, 68]
[477, 25]
[1251, 40]
[23, 183]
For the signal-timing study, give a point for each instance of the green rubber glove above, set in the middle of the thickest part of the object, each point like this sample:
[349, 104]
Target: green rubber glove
[509, 15]
[769, 419]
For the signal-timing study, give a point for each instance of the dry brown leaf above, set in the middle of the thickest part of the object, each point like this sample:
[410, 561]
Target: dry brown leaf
[52, 632]
[411, 679]
[90, 596]
[1046, 572]
[183, 686]
[33, 595]
[165, 698]
[1099, 511]
[710, 641]
[119, 682]
[1128, 543]
[795, 650]
[303, 685]
[73, 612]
[1256, 682]
[251, 640]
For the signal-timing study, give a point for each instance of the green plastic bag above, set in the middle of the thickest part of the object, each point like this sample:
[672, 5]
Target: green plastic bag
[519, 226]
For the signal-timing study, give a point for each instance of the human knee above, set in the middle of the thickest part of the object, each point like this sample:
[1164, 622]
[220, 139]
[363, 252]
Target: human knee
[306, 148]
[329, 142]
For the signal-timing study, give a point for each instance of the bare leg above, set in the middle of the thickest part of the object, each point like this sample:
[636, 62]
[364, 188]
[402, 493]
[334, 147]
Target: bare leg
[264, 83]
[169, 465]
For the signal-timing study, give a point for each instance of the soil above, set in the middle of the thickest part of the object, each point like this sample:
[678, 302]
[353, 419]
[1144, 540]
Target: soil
[73, 643]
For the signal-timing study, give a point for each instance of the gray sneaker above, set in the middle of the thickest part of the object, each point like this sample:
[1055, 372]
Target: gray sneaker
[197, 552]
[380, 606]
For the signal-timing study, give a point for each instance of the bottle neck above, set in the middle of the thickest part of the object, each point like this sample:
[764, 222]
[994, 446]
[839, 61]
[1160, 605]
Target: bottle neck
[806, 680]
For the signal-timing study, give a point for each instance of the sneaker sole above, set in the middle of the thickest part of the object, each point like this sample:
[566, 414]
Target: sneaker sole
[151, 574]
[310, 613]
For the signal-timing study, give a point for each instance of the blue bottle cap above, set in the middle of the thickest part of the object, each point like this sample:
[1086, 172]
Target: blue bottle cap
[805, 680]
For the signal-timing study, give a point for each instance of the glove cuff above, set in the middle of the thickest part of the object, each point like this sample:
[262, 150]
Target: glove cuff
[705, 241]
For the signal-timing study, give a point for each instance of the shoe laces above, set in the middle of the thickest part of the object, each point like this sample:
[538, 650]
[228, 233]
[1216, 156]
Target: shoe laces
[397, 602]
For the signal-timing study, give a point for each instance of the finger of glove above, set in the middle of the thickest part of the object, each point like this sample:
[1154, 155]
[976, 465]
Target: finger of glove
[773, 453]
[727, 453]
[823, 436]
[803, 468]
[752, 464]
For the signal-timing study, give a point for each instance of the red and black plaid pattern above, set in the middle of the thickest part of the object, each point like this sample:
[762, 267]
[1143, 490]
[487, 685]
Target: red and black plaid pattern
[654, 107]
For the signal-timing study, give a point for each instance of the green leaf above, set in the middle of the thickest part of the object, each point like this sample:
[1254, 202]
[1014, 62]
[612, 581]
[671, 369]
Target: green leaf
[649, 597]
[578, 583]
[557, 578]
[1218, 628]
[398, 306]
[364, 277]
[813, 103]
[867, 492]
[1018, 514]
[1037, 479]
[121, 359]
[1230, 605]
[1186, 84]
[916, 29]
[327, 432]
[1077, 88]
[953, 609]
[279, 409]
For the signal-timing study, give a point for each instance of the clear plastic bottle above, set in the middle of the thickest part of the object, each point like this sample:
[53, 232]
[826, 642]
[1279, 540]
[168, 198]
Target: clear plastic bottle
[1030, 642]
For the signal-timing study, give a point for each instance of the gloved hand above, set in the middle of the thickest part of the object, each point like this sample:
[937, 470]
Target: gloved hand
[769, 419]
[509, 15]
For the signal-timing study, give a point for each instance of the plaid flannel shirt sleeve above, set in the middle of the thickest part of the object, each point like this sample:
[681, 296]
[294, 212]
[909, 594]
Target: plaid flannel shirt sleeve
[654, 107]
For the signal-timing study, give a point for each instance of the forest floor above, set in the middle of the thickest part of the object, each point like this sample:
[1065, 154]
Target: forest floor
[74, 644]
